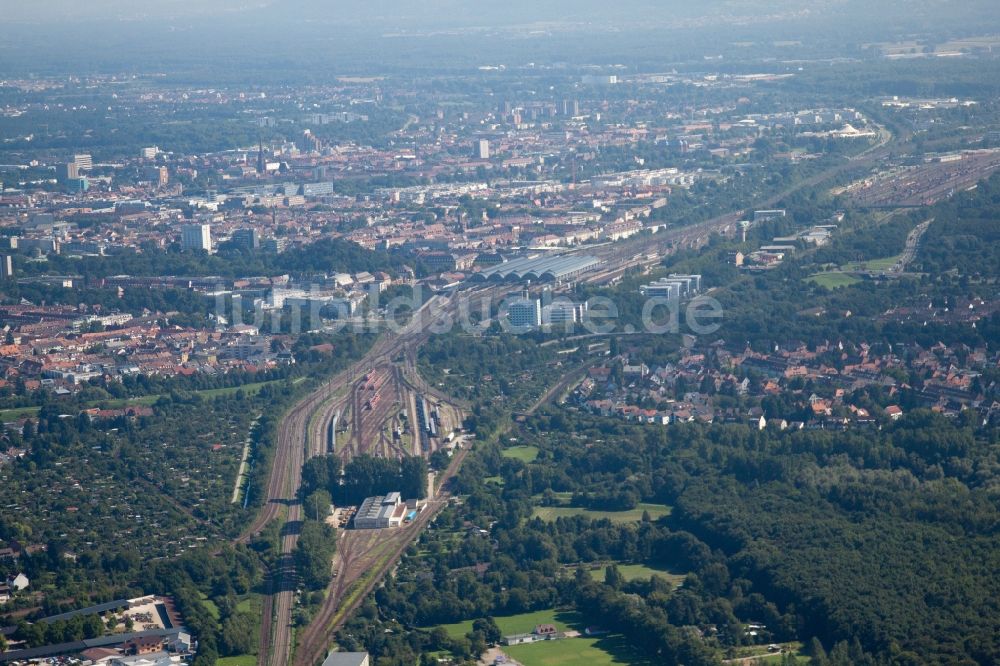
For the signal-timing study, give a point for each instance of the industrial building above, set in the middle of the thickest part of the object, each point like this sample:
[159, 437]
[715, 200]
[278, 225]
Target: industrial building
[381, 511]
[538, 269]
[347, 659]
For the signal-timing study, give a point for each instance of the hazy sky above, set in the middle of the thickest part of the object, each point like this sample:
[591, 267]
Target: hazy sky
[55, 10]
[77, 35]
[487, 12]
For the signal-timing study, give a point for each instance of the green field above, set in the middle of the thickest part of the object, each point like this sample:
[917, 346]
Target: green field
[7, 415]
[602, 651]
[523, 623]
[250, 604]
[210, 606]
[632, 572]
[632, 515]
[242, 660]
[599, 651]
[883, 264]
[833, 280]
[525, 454]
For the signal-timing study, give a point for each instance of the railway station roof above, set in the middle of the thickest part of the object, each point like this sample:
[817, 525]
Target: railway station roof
[543, 269]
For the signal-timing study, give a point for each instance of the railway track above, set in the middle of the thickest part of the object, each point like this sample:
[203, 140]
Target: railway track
[298, 432]
[314, 640]
[291, 448]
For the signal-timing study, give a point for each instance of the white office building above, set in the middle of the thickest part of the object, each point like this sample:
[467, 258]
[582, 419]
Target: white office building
[524, 313]
[563, 312]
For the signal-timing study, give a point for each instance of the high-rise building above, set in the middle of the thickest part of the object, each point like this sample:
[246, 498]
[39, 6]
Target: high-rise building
[149, 153]
[77, 185]
[261, 162]
[196, 237]
[6, 267]
[482, 151]
[157, 175]
[563, 312]
[64, 172]
[246, 239]
[83, 162]
[524, 313]
[274, 245]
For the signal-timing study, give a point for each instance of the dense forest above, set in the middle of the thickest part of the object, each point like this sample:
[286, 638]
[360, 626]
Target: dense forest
[867, 546]
[797, 531]
[327, 255]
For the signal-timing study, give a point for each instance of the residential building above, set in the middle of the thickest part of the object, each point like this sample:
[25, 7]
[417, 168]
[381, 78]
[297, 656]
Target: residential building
[66, 172]
[482, 150]
[246, 239]
[196, 237]
[157, 175]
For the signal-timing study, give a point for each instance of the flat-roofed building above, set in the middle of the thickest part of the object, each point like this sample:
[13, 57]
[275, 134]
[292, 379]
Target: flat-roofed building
[380, 512]
[196, 237]
[524, 313]
[347, 659]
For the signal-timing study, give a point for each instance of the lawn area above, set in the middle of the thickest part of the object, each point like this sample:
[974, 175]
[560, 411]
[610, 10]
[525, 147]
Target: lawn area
[642, 571]
[632, 572]
[632, 515]
[7, 415]
[210, 606]
[525, 454]
[242, 660]
[883, 264]
[833, 280]
[248, 389]
[602, 651]
[251, 604]
[523, 623]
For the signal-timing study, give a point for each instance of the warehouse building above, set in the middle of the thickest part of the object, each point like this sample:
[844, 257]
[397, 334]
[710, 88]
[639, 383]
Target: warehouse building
[380, 512]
